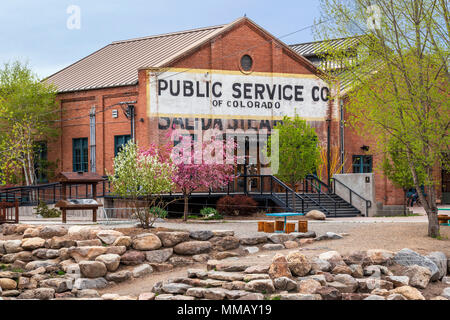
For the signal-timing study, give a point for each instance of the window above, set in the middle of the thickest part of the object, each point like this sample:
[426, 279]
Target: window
[362, 164]
[246, 63]
[119, 142]
[80, 155]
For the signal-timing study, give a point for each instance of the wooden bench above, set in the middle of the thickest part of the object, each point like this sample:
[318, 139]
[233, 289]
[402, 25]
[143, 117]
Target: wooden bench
[9, 212]
[442, 218]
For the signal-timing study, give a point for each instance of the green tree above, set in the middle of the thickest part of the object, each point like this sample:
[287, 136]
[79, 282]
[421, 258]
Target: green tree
[27, 115]
[400, 80]
[298, 149]
[396, 168]
[141, 178]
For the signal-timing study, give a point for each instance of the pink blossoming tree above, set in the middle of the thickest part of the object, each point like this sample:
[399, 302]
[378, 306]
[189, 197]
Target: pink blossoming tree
[199, 164]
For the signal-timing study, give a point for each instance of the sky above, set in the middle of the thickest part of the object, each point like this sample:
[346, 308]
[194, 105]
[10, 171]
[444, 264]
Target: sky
[52, 34]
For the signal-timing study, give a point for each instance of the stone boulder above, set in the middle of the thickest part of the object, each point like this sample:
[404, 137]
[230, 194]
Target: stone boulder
[201, 235]
[48, 232]
[142, 270]
[38, 294]
[440, 259]
[419, 277]
[31, 233]
[279, 238]
[298, 264]
[309, 286]
[60, 242]
[224, 243]
[379, 256]
[83, 232]
[319, 265]
[223, 233]
[407, 257]
[170, 239]
[273, 246]
[285, 284]
[159, 256]
[302, 235]
[146, 241]
[92, 269]
[253, 240]
[175, 288]
[119, 276]
[329, 236]
[58, 284]
[109, 236]
[12, 246]
[193, 247]
[408, 292]
[398, 281]
[279, 267]
[446, 293]
[329, 293]
[8, 284]
[33, 243]
[86, 253]
[123, 241]
[83, 283]
[342, 269]
[347, 280]
[111, 261]
[316, 215]
[332, 257]
[132, 257]
[262, 286]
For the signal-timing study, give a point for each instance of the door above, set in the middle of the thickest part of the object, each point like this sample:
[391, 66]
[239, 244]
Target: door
[445, 187]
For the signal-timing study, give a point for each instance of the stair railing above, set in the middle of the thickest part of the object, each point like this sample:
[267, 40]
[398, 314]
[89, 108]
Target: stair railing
[368, 203]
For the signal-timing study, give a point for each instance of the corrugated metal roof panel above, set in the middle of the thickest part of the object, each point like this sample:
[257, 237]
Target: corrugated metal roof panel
[319, 47]
[117, 63]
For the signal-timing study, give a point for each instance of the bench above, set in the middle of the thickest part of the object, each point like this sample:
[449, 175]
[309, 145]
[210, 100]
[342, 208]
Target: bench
[443, 219]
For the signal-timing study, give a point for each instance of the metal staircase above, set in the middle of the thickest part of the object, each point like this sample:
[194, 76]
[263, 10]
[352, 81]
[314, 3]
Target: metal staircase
[314, 195]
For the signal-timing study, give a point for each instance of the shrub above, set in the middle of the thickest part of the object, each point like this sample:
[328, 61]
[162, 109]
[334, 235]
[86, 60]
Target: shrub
[210, 214]
[158, 212]
[237, 205]
[44, 211]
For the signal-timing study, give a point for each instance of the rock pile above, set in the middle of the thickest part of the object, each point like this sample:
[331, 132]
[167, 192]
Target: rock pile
[59, 262]
[370, 275]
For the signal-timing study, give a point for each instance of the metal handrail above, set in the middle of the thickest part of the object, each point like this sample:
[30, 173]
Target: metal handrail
[326, 194]
[368, 202]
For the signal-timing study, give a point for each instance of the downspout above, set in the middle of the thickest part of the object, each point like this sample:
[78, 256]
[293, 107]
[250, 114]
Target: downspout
[342, 133]
[92, 139]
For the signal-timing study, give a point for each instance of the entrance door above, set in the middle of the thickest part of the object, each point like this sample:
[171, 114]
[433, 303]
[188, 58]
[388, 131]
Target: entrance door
[445, 187]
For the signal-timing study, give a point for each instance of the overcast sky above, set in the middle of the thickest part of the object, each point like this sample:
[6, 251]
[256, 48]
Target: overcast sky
[38, 31]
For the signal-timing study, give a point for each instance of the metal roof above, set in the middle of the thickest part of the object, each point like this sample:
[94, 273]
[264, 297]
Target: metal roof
[117, 63]
[320, 47]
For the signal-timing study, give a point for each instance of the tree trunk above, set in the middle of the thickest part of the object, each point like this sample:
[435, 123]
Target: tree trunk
[186, 207]
[429, 203]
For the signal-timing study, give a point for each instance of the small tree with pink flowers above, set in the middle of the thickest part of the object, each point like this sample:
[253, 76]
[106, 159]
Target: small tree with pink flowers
[199, 164]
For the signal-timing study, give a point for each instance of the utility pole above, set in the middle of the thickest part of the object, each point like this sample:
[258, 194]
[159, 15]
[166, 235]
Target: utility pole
[131, 115]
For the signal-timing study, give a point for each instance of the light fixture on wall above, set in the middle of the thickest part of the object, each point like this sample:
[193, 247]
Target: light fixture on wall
[365, 148]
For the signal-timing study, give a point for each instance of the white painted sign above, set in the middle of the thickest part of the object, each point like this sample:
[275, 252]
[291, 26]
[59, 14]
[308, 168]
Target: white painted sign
[202, 93]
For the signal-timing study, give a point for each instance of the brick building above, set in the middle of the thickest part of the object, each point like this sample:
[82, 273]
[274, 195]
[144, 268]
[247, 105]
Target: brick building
[230, 76]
